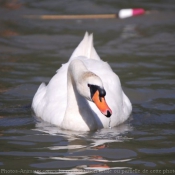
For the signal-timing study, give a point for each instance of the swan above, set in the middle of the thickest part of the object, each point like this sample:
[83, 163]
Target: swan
[84, 94]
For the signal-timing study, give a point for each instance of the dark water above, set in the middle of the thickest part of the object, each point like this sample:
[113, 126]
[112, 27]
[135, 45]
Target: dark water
[141, 51]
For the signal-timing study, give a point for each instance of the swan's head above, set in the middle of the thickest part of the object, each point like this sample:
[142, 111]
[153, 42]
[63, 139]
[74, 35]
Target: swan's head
[91, 87]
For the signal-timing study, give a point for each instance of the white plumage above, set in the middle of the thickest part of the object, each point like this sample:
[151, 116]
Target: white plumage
[66, 101]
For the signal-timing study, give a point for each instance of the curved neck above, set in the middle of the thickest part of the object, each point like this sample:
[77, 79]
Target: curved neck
[78, 113]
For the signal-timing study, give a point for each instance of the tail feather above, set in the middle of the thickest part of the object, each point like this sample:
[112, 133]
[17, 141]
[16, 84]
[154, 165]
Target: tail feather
[89, 46]
[86, 48]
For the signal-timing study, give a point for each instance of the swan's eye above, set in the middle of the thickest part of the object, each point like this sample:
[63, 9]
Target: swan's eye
[102, 92]
[94, 88]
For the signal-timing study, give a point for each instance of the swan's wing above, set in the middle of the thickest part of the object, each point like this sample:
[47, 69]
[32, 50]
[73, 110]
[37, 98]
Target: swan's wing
[50, 101]
[37, 103]
[127, 107]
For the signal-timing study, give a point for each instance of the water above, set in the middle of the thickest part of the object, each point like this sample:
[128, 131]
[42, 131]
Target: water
[140, 50]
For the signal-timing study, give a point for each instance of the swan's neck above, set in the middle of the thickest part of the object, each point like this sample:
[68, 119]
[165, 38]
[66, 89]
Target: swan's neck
[78, 115]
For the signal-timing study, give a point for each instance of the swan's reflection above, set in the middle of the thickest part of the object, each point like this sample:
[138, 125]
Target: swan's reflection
[96, 138]
[84, 169]
[85, 146]
[92, 140]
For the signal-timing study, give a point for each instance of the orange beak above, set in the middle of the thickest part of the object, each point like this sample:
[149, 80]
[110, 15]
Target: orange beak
[101, 104]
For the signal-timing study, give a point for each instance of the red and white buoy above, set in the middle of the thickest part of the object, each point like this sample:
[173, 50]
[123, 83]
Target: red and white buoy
[125, 13]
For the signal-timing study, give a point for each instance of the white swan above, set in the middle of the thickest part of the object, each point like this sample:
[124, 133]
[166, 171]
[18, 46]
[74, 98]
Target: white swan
[84, 94]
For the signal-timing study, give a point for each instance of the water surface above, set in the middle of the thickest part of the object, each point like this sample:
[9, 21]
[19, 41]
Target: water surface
[140, 50]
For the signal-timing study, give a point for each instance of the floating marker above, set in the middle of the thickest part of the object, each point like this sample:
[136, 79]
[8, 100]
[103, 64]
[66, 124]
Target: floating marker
[125, 13]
